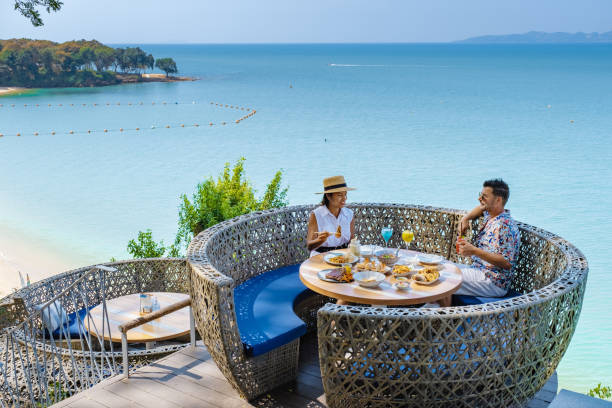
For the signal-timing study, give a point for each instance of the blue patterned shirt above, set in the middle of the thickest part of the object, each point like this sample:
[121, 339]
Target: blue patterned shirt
[499, 235]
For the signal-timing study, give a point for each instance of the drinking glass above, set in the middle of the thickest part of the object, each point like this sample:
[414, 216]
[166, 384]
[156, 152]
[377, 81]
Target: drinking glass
[146, 303]
[407, 237]
[386, 233]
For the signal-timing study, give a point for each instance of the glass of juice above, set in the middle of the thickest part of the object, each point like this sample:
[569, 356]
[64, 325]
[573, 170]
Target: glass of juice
[407, 237]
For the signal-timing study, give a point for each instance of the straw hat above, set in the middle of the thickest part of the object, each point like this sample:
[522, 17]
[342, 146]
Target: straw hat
[334, 185]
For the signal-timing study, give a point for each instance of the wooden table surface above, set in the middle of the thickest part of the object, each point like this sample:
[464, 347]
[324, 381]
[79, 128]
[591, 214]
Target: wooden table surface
[126, 308]
[384, 294]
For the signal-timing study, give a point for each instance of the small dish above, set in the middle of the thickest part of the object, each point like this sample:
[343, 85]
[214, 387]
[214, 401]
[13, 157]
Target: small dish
[401, 285]
[323, 276]
[368, 279]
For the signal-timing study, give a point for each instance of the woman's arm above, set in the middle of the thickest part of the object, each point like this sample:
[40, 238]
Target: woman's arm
[352, 229]
[314, 240]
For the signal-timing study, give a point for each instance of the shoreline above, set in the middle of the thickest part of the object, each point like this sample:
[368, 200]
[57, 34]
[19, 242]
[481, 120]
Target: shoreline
[13, 90]
[31, 256]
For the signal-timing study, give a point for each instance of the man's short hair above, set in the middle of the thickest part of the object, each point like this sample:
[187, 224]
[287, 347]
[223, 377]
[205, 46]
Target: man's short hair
[500, 188]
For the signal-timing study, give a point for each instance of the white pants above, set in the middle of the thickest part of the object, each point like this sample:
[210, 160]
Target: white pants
[475, 283]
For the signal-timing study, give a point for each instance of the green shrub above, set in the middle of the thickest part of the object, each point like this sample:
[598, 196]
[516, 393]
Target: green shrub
[604, 392]
[214, 201]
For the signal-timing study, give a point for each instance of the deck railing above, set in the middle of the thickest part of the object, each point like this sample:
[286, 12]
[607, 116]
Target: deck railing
[50, 347]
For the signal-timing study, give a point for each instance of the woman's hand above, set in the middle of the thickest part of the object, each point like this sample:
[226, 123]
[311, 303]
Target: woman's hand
[322, 236]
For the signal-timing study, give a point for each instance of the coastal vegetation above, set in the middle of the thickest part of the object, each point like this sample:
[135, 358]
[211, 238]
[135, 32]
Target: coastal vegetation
[40, 63]
[214, 201]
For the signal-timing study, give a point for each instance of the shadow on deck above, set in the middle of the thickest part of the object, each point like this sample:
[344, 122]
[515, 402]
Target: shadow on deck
[190, 378]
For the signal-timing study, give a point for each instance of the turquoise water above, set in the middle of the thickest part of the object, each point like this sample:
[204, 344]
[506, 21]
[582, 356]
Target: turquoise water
[423, 124]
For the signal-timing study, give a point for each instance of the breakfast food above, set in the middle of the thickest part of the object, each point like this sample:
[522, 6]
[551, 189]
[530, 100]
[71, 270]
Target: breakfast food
[401, 269]
[339, 259]
[368, 265]
[338, 233]
[340, 275]
[428, 274]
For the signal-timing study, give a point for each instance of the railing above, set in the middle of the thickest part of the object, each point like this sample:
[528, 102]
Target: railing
[139, 321]
[50, 347]
[42, 362]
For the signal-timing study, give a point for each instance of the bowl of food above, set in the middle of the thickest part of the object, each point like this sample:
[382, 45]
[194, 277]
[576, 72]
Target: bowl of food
[386, 256]
[427, 277]
[402, 285]
[406, 270]
[368, 279]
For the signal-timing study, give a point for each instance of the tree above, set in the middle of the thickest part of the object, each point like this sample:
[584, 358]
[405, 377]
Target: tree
[167, 65]
[145, 247]
[104, 57]
[27, 8]
[214, 201]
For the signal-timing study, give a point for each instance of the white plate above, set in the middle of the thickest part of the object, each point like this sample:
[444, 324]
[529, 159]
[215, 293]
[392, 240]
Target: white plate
[352, 258]
[402, 288]
[429, 259]
[325, 278]
[414, 268]
[424, 283]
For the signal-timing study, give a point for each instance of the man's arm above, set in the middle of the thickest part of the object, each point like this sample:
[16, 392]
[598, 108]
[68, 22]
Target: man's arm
[494, 259]
[464, 223]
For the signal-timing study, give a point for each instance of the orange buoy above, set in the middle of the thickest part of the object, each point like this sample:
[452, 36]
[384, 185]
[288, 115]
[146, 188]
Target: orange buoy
[164, 103]
[84, 104]
[182, 125]
[1, 135]
[210, 124]
[52, 133]
[121, 129]
[13, 105]
[223, 123]
[18, 134]
[130, 104]
[36, 105]
[25, 104]
[167, 126]
[49, 105]
[238, 121]
[137, 128]
[95, 104]
[89, 131]
[152, 103]
[105, 130]
[35, 133]
[196, 125]
[72, 132]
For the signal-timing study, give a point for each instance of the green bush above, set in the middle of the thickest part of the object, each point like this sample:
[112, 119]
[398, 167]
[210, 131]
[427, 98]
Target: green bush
[604, 392]
[214, 201]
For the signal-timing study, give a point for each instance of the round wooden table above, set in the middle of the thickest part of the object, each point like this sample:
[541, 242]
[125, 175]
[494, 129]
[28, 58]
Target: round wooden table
[385, 293]
[126, 308]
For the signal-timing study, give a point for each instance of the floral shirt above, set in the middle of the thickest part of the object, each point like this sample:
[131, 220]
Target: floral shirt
[499, 235]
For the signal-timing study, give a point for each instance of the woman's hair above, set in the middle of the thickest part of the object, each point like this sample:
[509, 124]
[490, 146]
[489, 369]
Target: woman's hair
[325, 200]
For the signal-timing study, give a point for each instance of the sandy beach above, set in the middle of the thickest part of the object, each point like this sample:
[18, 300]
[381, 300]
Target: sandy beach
[8, 90]
[31, 256]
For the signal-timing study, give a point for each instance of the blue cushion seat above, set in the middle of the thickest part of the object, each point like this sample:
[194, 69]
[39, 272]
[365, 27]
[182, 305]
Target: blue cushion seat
[72, 329]
[264, 309]
[466, 300]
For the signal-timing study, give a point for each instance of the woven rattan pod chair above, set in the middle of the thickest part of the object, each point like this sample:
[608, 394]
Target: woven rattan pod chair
[495, 354]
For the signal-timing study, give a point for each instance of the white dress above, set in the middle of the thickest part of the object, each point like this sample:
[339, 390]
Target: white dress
[326, 221]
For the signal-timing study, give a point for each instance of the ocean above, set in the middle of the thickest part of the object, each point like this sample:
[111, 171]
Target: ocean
[404, 123]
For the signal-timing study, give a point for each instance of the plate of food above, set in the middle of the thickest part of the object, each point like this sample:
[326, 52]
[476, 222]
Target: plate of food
[428, 276]
[372, 265]
[336, 275]
[406, 270]
[430, 259]
[337, 259]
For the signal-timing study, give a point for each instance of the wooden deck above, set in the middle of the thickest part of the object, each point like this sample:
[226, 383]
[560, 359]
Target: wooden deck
[189, 378]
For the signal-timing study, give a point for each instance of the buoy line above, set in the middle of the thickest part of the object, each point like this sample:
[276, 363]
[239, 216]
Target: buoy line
[114, 104]
[251, 113]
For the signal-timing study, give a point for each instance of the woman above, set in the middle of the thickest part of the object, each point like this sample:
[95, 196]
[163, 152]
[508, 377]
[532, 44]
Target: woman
[331, 225]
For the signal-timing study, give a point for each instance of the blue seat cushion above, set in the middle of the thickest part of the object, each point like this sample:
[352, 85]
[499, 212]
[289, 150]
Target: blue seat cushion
[264, 309]
[72, 329]
[466, 300]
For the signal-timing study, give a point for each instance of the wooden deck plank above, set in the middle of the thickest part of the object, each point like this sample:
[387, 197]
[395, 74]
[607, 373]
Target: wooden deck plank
[190, 378]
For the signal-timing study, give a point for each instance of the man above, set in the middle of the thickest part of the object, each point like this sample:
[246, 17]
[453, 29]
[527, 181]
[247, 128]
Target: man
[496, 246]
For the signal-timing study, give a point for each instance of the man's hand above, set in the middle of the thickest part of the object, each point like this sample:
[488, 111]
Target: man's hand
[464, 224]
[465, 248]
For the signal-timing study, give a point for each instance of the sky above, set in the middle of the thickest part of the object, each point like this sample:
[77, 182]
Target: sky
[312, 21]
